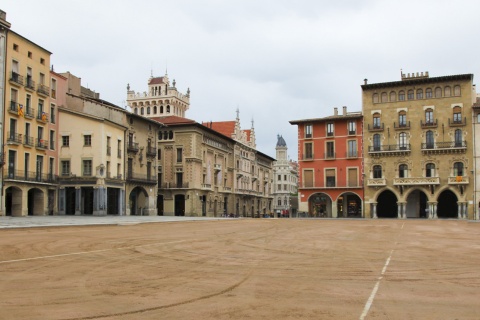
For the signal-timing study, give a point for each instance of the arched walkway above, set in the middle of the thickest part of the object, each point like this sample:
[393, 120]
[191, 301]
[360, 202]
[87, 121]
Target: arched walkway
[138, 201]
[320, 205]
[349, 205]
[387, 205]
[36, 202]
[447, 205]
[13, 201]
[416, 204]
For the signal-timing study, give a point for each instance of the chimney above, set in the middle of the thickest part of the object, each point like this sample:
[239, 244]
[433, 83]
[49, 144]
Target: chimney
[365, 80]
[335, 111]
[344, 110]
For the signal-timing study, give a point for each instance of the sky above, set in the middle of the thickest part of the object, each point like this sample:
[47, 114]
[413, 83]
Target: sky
[273, 60]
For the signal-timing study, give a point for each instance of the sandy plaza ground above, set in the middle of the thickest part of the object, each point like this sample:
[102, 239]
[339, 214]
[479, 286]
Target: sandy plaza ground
[173, 268]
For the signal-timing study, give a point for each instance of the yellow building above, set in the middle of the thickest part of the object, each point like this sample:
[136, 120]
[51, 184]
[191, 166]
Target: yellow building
[29, 179]
[418, 147]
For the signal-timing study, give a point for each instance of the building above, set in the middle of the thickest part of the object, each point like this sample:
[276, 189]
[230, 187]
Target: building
[418, 147]
[285, 175]
[330, 161]
[4, 27]
[476, 157]
[29, 174]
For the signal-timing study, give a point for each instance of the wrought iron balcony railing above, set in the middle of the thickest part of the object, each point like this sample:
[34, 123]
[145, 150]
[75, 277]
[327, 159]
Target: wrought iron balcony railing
[22, 175]
[14, 137]
[444, 145]
[391, 147]
[43, 90]
[16, 78]
[132, 147]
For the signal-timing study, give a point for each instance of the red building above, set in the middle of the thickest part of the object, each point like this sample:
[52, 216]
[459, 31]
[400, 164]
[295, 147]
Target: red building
[330, 165]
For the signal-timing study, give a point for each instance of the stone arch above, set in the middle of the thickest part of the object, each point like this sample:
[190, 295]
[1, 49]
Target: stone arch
[35, 202]
[138, 201]
[13, 201]
[416, 202]
[387, 204]
[447, 206]
[349, 205]
[320, 205]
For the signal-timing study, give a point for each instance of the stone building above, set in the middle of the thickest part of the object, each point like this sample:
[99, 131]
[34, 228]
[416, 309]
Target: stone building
[476, 157]
[330, 160]
[285, 181]
[418, 147]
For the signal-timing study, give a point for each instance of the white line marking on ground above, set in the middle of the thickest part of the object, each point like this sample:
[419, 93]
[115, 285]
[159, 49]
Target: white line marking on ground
[375, 289]
[403, 225]
[87, 252]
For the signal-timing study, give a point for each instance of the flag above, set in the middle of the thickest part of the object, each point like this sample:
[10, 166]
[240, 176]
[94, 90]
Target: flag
[44, 116]
[20, 110]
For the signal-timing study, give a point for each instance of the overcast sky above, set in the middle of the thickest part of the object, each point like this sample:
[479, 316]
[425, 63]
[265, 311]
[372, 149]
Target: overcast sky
[274, 60]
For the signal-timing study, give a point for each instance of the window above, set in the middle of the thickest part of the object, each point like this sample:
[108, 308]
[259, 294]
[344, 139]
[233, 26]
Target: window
[159, 154]
[30, 54]
[65, 141]
[456, 91]
[384, 97]
[377, 172]
[410, 95]
[308, 178]
[42, 61]
[308, 131]
[285, 177]
[179, 155]
[352, 177]
[448, 91]
[429, 139]
[52, 113]
[279, 177]
[154, 109]
[458, 169]
[308, 150]
[135, 110]
[438, 92]
[430, 170]
[87, 140]
[478, 117]
[142, 111]
[41, 78]
[279, 202]
[15, 47]
[458, 138]
[402, 119]
[52, 140]
[352, 127]
[429, 116]
[376, 142]
[352, 148]
[65, 164]
[428, 93]
[393, 96]
[330, 129]
[457, 114]
[375, 98]
[403, 171]
[401, 96]
[148, 110]
[330, 177]
[402, 141]
[87, 167]
[168, 109]
[376, 121]
[53, 89]
[419, 94]
[330, 148]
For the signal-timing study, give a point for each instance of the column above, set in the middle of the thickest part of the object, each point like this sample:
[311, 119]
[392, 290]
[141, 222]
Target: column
[434, 205]
[374, 204]
[121, 203]
[334, 209]
[100, 201]
[399, 210]
[61, 201]
[459, 209]
[429, 210]
[78, 201]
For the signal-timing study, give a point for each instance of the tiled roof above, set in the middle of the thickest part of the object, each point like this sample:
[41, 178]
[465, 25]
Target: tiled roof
[158, 80]
[248, 132]
[227, 128]
[172, 120]
[329, 118]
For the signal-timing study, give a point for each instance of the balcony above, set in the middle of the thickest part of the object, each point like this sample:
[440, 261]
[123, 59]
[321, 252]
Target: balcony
[132, 147]
[401, 126]
[42, 116]
[206, 186]
[351, 154]
[393, 149]
[43, 90]
[30, 85]
[416, 181]
[114, 177]
[16, 79]
[151, 152]
[352, 132]
[141, 178]
[172, 185]
[28, 141]
[29, 112]
[20, 175]
[444, 147]
[13, 107]
[375, 127]
[428, 124]
[332, 185]
[458, 180]
[457, 122]
[217, 167]
[329, 156]
[41, 144]
[307, 157]
[377, 182]
[14, 138]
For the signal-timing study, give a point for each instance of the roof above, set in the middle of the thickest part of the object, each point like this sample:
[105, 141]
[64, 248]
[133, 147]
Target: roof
[248, 132]
[353, 115]
[477, 103]
[227, 128]
[157, 80]
[416, 81]
[173, 120]
[281, 142]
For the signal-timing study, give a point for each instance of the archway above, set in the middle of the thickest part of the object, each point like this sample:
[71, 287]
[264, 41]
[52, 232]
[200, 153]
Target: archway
[180, 205]
[447, 205]
[416, 204]
[138, 201]
[160, 205]
[320, 205]
[35, 202]
[349, 205]
[387, 205]
[13, 201]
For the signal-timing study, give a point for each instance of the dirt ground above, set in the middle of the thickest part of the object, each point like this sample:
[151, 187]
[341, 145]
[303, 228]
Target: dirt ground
[243, 269]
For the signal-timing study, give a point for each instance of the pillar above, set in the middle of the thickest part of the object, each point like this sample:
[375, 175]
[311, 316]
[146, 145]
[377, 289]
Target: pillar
[374, 204]
[100, 201]
[121, 202]
[434, 205]
[78, 201]
[62, 201]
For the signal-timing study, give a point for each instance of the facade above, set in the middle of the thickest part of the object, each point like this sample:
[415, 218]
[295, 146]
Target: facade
[285, 177]
[107, 156]
[418, 147]
[162, 99]
[476, 157]
[330, 165]
[29, 174]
